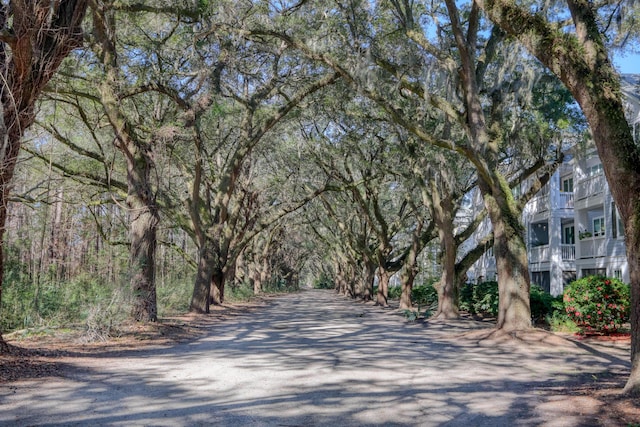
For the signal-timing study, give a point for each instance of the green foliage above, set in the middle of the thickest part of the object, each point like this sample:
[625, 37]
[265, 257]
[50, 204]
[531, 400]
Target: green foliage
[542, 303]
[597, 303]
[174, 296]
[278, 284]
[465, 298]
[82, 299]
[395, 292]
[240, 292]
[558, 321]
[481, 298]
[411, 315]
[323, 282]
[424, 295]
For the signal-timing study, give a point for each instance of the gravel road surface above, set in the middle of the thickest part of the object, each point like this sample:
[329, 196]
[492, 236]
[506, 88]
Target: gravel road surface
[314, 358]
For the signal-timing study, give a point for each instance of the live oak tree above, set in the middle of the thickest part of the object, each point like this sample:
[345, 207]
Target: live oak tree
[579, 56]
[402, 86]
[261, 95]
[136, 146]
[36, 37]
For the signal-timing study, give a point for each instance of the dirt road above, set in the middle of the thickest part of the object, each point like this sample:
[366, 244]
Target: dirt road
[314, 358]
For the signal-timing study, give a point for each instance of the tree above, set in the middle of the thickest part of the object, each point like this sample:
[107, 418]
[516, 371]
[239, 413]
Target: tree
[579, 56]
[407, 86]
[37, 37]
[260, 83]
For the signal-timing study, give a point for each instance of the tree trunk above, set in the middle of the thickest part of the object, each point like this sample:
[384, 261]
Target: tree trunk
[510, 251]
[255, 278]
[143, 229]
[410, 268]
[138, 154]
[368, 277]
[632, 387]
[442, 214]
[216, 293]
[446, 287]
[201, 288]
[407, 278]
[382, 296]
[264, 270]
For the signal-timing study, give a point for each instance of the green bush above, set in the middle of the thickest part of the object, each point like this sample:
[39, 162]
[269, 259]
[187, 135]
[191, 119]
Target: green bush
[542, 303]
[465, 298]
[424, 295]
[597, 303]
[174, 296]
[485, 298]
[395, 292]
[558, 321]
[482, 298]
[240, 292]
[323, 282]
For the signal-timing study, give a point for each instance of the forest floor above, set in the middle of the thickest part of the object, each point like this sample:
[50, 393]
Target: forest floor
[314, 358]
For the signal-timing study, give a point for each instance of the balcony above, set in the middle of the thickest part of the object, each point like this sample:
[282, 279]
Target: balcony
[539, 253]
[590, 187]
[541, 203]
[565, 201]
[568, 252]
[542, 253]
[593, 247]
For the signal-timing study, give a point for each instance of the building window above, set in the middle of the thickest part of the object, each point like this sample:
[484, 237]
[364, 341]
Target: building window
[617, 227]
[542, 279]
[617, 274]
[598, 226]
[567, 185]
[539, 234]
[568, 235]
[594, 170]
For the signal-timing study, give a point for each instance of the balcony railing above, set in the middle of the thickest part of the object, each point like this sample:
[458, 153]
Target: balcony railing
[568, 252]
[539, 253]
[565, 201]
[592, 247]
[590, 186]
[542, 203]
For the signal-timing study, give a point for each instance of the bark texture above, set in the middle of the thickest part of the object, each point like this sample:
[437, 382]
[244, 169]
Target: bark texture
[382, 296]
[483, 151]
[443, 211]
[201, 288]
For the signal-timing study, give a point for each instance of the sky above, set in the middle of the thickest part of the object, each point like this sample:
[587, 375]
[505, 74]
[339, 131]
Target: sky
[628, 64]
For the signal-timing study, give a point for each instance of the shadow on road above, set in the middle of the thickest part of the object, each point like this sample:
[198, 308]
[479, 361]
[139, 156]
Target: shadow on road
[314, 358]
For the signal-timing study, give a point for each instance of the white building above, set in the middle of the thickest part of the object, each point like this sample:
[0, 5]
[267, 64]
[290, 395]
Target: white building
[573, 228]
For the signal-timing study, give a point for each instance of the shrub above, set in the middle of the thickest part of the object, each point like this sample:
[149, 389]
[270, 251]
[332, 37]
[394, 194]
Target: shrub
[542, 303]
[485, 298]
[558, 321]
[597, 304]
[395, 292]
[424, 295]
[323, 282]
[465, 298]
[240, 292]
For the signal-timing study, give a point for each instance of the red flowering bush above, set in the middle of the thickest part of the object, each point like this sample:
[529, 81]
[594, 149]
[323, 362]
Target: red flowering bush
[597, 304]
